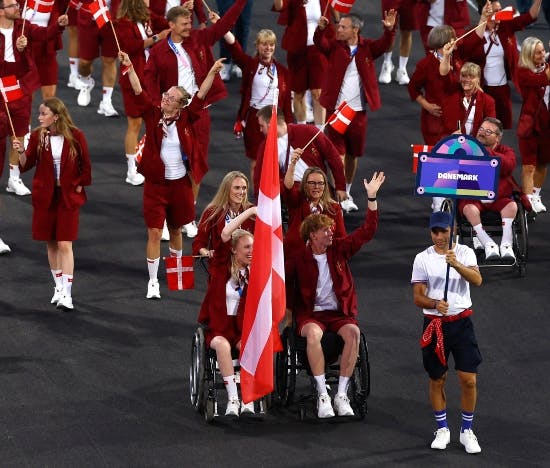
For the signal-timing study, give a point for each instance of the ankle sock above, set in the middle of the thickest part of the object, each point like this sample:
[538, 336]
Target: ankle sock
[441, 418]
[467, 420]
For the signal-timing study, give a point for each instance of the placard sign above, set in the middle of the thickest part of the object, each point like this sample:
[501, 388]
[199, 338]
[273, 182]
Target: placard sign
[458, 167]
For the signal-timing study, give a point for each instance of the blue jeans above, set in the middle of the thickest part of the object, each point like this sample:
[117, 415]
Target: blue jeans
[241, 29]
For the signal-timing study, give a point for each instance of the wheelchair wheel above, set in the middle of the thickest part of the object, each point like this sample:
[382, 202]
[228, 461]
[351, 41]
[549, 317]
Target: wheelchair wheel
[196, 370]
[209, 409]
[520, 239]
[285, 366]
[360, 381]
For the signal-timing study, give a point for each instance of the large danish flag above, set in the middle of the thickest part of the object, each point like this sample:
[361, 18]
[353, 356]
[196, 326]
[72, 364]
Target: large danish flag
[100, 12]
[265, 299]
[41, 6]
[343, 6]
[10, 89]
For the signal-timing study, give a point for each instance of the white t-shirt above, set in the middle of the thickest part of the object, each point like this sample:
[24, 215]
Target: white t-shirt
[38, 18]
[494, 71]
[263, 87]
[313, 13]
[186, 74]
[325, 299]
[352, 89]
[437, 10]
[8, 44]
[56, 143]
[470, 117]
[431, 268]
[170, 153]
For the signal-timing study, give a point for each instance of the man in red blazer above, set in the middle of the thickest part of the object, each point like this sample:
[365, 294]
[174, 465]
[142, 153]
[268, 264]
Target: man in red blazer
[352, 79]
[184, 59]
[321, 294]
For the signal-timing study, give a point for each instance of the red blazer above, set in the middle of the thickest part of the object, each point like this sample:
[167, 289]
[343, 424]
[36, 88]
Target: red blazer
[24, 67]
[339, 57]
[161, 71]
[249, 66]
[453, 109]
[293, 16]
[74, 171]
[531, 87]
[131, 42]
[298, 210]
[158, 7]
[302, 271]
[455, 14]
[209, 236]
[151, 165]
[320, 153]
[54, 43]
[507, 165]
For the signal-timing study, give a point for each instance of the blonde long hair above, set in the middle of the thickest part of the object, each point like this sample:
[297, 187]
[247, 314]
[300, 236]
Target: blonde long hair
[235, 237]
[220, 202]
[527, 53]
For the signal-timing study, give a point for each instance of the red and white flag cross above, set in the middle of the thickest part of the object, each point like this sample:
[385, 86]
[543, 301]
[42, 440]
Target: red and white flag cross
[10, 89]
[100, 12]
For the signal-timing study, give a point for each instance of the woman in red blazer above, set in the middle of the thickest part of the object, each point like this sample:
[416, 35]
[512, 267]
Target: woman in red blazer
[222, 310]
[60, 153]
[136, 29]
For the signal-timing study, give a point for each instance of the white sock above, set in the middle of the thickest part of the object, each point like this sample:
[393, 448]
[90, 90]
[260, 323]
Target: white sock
[174, 252]
[73, 65]
[131, 160]
[231, 387]
[403, 62]
[321, 383]
[153, 267]
[57, 277]
[348, 188]
[507, 235]
[67, 283]
[14, 171]
[107, 94]
[85, 79]
[483, 237]
[536, 191]
[387, 57]
[343, 385]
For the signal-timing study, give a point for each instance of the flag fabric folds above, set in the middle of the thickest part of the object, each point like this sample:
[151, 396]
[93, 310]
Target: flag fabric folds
[341, 118]
[180, 273]
[41, 6]
[265, 299]
[416, 150]
[10, 89]
[506, 14]
[100, 12]
[139, 148]
[343, 6]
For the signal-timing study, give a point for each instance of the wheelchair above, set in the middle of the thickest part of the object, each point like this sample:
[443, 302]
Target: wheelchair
[492, 224]
[292, 360]
[206, 387]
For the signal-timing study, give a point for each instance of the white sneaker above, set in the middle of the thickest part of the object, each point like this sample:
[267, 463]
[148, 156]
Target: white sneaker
[4, 248]
[247, 408]
[402, 77]
[437, 203]
[57, 293]
[469, 440]
[491, 251]
[342, 406]
[477, 243]
[16, 185]
[225, 72]
[85, 94]
[106, 108]
[385, 73]
[324, 408]
[73, 81]
[190, 230]
[65, 302]
[232, 407]
[153, 289]
[536, 204]
[348, 205]
[237, 72]
[134, 178]
[442, 438]
[506, 251]
[165, 233]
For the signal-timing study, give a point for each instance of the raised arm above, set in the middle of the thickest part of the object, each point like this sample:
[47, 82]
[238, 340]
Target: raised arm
[236, 222]
[132, 75]
[207, 82]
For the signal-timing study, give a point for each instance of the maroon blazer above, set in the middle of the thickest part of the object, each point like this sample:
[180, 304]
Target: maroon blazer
[161, 71]
[293, 16]
[298, 210]
[75, 171]
[209, 236]
[302, 271]
[249, 66]
[320, 153]
[507, 165]
[455, 14]
[338, 56]
[158, 7]
[532, 86]
[54, 43]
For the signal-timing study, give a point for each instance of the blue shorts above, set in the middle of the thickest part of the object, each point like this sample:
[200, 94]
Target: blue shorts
[460, 341]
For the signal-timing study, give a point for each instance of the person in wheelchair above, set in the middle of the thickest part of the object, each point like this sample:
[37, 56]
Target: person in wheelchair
[322, 295]
[489, 135]
[223, 306]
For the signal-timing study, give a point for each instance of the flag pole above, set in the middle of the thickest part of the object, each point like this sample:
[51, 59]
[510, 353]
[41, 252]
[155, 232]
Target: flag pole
[470, 31]
[207, 7]
[24, 20]
[326, 8]
[9, 118]
[315, 136]
[116, 38]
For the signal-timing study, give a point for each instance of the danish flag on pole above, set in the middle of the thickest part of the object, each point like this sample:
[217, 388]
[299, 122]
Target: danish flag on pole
[41, 6]
[343, 6]
[76, 5]
[506, 14]
[100, 12]
[341, 118]
[180, 273]
[139, 148]
[265, 300]
[417, 149]
[10, 89]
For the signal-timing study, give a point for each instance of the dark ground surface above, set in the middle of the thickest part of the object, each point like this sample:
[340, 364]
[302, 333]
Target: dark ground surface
[107, 384]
